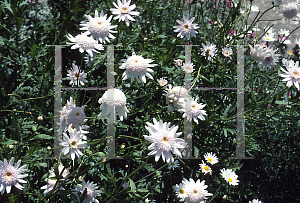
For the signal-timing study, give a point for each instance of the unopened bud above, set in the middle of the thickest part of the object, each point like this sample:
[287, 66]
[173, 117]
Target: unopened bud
[225, 197]
[49, 148]
[40, 118]
[80, 178]
[11, 146]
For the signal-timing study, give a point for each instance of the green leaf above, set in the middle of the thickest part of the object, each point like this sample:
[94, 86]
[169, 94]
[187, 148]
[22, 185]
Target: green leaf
[132, 185]
[282, 102]
[41, 137]
[8, 142]
[7, 5]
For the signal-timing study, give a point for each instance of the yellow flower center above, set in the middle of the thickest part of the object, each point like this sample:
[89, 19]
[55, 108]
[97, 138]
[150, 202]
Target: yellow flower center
[8, 174]
[136, 61]
[99, 23]
[296, 73]
[172, 164]
[186, 26]
[74, 143]
[76, 75]
[193, 106]
[209, 159]
[124, 9]
[181, 191]
[229, 179]
[77, 114]
[195, 192]
[206, 168]
[165, 139]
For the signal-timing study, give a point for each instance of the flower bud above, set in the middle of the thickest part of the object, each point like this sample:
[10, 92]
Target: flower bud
[11, 146]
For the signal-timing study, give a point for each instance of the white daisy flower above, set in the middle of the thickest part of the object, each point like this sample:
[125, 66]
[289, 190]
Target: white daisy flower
[284, 32]
[164, 140]
[188, 67]
[178, 62]
[186, 28]
[137, 67]
[64, 115]
[85, 43]
[289, 62]
[174, 164]
[197, 191]
[195, 112]
[92, 191]
[81, 129]
[229, 176]
[72, 144]
[51, 181]
[290, 12]
[211, 158]
[285, 41]
[268, 38]
[227, 51]
[75, 76]
[254, 8]
[11, 175]
[257, 52]
[162, 82]
[292, 75]
[210, 48]
[255, 201]
[175, 97]
[124, 11]
[118, 104]
[99, 27]
[270, 58]
[205, 168]
[181, 190]
[76, 116]
[297, 41]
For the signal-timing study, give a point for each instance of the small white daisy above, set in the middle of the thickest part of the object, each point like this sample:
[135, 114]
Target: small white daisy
[164, 140]
[70, 129]
[290, 12]
[254, 8]
[188, 67]
[297, 41]
[210, 48]
[162, 82]
[174, 164]
[285, 41]
[205, 168]
[76, 117]
[175, 97]
[186, 28]
[72, 144]
[284, 32]
[292, 75]
[75, 76]
[268, 38]
[11, 174]
[211, 158]
[257, 52]
[99, 27]
[197, 191]
[181, 190]
[178, 62]
[64, 115]
[137, 67]
[124, 11]
[195, 112]
[85, 43]
[255, 201]
[229, 176]
[227, 51]
[92, 191]
[118, 104]
[270, 57]
[51, 181]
